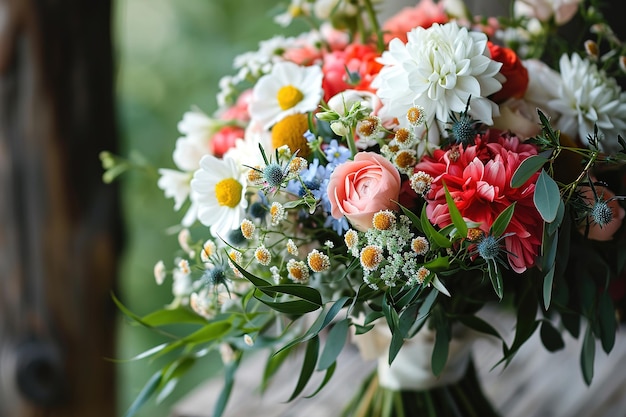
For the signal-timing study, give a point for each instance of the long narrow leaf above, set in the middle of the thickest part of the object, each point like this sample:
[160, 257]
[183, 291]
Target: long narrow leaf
[588, 355]
[455, 215]
[502, 221]
[431, 233]
[308, 366]
[145, 393]
[335, 342]
[229, 381]
[329, 374]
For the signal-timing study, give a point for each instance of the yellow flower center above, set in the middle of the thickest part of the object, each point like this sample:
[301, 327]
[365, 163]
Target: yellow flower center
[228, 192]
[288, 96]
[290, 131]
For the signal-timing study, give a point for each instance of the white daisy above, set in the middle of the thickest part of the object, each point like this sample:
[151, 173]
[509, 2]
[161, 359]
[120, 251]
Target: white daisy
[438, 69]
[220, 189]
[587, 96]
[286, 90]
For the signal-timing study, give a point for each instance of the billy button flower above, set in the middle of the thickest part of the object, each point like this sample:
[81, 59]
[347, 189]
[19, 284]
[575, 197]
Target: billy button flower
[298, 271]
[318, 261]
[371, 256]
[384, 220]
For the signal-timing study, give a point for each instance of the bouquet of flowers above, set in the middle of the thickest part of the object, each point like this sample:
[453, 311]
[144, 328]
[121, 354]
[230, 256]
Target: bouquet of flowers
[385, 182]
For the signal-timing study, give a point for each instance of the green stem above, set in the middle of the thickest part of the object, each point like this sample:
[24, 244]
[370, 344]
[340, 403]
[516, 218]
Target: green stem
[380, 43]
[351, 142]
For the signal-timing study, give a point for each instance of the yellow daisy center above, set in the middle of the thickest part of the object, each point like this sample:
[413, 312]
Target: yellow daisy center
[288, 96]
[228, 192]
[290, 131]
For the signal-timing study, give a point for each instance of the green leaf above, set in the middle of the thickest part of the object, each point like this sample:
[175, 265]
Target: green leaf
[441, 263]
[304, 292]
[547, 197]
[334, 344]
[587, 355]
[230, 369]
[308, 366]
[273, 364]
[329, 374]
[455, 215]
[439, 286]
[443, 335]
[173, 316]
[548, 280]
[431, 234]
[608, 323]
[297, 307]
[502, 221]
[424, 312]
[145, 393]
[478, 324]
[527, 169]
[397, 340]
[495, 276]
[551, 337]
[553, 226]
[173, 374]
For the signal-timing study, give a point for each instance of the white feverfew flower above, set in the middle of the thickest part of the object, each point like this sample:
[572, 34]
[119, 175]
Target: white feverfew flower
[288, 89]
[220, 188]
[438, 69]
[197, 125]
[587, 96]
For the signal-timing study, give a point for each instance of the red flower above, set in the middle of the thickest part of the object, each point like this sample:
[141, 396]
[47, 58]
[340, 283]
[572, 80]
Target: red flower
[424, 14]
[514, 71]
[358, 59]
[478, 178]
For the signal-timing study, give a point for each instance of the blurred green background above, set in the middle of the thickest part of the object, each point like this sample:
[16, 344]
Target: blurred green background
[170, 56]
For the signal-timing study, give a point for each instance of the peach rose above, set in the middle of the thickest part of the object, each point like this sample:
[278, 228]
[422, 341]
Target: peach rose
[358, 189]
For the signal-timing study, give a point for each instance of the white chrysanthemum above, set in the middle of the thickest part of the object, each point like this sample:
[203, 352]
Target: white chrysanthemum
[287, 90]
[438, 69]
[220, 187]
[587, 96]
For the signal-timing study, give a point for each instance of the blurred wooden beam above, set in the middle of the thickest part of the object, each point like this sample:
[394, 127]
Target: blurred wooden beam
[59, 225]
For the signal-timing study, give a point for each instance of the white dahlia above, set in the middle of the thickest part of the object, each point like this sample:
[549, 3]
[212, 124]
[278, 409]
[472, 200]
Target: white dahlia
[219, 186]
[587, 96]
[287, 90]
[438, 69]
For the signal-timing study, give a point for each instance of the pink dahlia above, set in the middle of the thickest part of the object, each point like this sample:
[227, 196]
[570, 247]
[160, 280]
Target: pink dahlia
[478, 178]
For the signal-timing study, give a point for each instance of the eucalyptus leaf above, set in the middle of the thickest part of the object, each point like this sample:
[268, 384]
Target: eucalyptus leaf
[547, 197]
[330, 371]
[230, 369]
[588, 355]
[551, 337]
[335, 342]
[527, 169]
[548, 280]
[146, 392]
[308, 366]
[273, 364]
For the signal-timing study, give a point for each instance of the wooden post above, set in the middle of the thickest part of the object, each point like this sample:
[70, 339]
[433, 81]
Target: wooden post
[59, 225]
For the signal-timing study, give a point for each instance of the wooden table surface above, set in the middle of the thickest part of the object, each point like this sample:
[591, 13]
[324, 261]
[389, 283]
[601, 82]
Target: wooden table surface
[535, 384]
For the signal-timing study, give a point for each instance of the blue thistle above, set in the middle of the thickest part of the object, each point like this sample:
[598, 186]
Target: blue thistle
[463, 128]
[274, 175]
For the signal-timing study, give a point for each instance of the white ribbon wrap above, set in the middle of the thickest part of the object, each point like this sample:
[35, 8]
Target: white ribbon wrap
[411, 370]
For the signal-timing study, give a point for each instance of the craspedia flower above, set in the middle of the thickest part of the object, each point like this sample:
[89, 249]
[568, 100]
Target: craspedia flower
[415, 116]
[297, 271]
[420, 245]
[318, 261]
[351, 238]
[422, 274]
[474, 234]
[384, 220]
[277, 213]
[263, 255]
[292, 248]
[371, 256]
[297, 165]
[208, 249]
[255, 176]
[247, 229]
[290, 132]
[420, 182]
[404, 137]
[405, 160]
[368, 127]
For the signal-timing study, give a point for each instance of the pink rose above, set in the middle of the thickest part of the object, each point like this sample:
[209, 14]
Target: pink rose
[358, 189]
